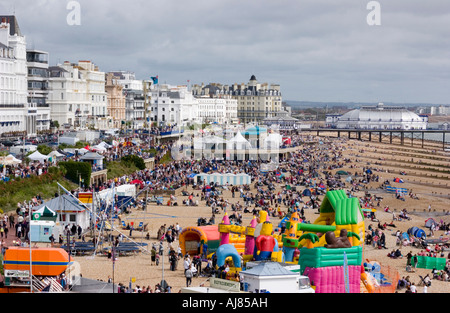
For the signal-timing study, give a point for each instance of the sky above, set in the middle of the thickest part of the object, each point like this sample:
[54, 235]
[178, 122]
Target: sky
[316, 50]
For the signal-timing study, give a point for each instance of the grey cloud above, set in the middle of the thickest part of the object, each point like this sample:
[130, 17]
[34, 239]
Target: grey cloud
[319, 50]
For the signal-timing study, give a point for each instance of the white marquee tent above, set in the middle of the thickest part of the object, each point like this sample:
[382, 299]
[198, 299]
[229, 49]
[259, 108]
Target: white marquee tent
[37, 156]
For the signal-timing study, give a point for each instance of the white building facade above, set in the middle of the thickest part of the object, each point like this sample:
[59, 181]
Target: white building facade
[67, 96]
[77, 95]
[13, 79]
[133, 90]
[173, 105]
[96, 93]
[255, 101]
[38, 117]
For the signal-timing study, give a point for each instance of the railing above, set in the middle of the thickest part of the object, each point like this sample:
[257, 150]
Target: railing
[12, 106]
[47, 282]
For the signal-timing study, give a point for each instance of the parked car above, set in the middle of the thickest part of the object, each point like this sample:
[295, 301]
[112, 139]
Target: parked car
[8, 143]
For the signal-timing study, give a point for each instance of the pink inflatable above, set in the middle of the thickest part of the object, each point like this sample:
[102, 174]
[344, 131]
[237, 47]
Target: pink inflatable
[331, 279]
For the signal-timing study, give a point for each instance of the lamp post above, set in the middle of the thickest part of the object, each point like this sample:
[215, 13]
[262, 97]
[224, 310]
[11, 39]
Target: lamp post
[29, 243]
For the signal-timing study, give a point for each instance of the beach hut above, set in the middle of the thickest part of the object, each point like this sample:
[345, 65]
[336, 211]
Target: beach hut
[94, 158]
[40, 231]
[430, 222]
[274, 278]
[69, 211]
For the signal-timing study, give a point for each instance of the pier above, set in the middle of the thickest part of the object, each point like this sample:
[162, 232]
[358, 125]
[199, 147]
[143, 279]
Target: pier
[391, 136]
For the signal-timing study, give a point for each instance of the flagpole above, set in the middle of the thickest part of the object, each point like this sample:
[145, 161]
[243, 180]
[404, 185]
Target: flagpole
[31, 263]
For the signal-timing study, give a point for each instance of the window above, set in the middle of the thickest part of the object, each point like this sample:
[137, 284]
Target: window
[72, 218]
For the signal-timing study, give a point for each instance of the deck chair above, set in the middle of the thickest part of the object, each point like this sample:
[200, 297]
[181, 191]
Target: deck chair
[124, 225]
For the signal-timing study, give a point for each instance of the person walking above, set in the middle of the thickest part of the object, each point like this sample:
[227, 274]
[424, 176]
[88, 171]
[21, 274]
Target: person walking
[188, 273]
[187, 263]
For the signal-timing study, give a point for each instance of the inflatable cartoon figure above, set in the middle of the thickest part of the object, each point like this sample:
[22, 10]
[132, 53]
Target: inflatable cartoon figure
[265, 243]
[337, 242]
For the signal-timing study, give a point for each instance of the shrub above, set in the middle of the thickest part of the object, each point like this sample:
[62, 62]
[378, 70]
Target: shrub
[76, 170]
[134, 159]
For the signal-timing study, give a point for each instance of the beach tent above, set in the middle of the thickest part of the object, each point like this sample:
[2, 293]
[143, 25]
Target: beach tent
[287, 140]
[44, 214]
[342, 172]
[104, 145]
[306, 193]
[429, 222]
[37, 156]
[81, 151]
[99, 148]
[55, 154]
[398, 180]
[8, 160]
[416, 232]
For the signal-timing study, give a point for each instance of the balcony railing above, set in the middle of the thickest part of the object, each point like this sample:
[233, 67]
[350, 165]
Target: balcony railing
[12, 106]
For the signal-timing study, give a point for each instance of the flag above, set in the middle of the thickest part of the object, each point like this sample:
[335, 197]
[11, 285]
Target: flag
[155, 79]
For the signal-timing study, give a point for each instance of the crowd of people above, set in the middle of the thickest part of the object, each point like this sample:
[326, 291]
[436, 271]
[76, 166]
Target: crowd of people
[309, 168]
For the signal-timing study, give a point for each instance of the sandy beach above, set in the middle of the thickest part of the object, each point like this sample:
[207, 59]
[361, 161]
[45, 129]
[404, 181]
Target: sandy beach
[387, 160]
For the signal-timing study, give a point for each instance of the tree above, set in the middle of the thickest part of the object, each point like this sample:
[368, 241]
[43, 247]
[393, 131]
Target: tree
[137, 161]
[54, 124]
[44, 149]
[310, 239]
[75, 171]
[350, 235]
